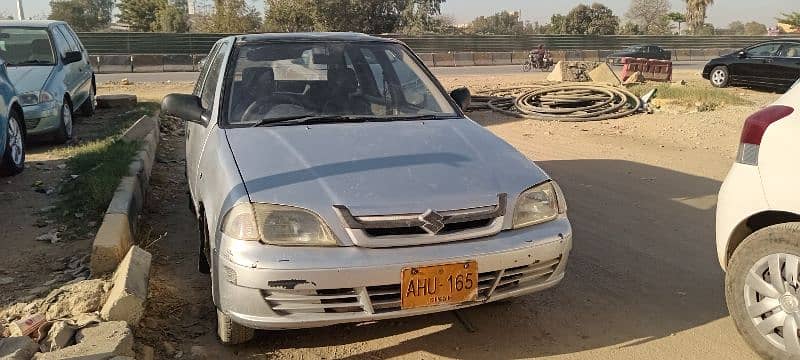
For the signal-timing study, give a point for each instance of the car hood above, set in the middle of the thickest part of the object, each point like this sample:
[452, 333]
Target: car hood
[382, 167]
[29, 78]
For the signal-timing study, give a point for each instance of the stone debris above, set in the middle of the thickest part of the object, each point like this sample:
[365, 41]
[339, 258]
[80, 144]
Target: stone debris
[74, 299]
[101, 341]
[60, 335]
[51, 236]
[148, 353]
[635, 78]
[17, 348]
[126, 300]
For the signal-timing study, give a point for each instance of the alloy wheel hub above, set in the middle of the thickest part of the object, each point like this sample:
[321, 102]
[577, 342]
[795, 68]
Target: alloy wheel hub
[772, 300]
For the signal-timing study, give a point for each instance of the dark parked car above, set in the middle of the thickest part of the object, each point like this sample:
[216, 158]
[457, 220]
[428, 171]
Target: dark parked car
[641, 52]
[773, 64]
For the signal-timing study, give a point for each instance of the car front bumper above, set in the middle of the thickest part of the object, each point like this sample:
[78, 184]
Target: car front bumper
[42, 118]
[327, 286]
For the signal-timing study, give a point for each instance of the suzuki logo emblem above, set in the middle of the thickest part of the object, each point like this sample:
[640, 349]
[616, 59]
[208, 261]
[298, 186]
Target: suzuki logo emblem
[433, 222]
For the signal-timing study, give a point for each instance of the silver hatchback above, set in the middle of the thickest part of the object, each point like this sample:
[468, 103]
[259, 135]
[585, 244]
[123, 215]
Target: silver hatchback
[335, 181]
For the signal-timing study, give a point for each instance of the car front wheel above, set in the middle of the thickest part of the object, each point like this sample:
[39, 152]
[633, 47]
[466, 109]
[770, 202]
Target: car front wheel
[231, 333]
[763, 292]
[13, 159]
[720, 77]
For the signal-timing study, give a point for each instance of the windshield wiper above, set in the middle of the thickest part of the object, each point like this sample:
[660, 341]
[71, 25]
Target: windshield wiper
[417, 117]
[309, 119]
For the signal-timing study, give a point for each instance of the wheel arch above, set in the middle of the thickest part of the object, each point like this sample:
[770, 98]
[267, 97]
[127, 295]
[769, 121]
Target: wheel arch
[17, 109]
[754, 223]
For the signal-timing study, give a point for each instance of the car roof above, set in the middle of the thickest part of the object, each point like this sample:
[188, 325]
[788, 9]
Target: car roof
[29, 23]
[311, 36]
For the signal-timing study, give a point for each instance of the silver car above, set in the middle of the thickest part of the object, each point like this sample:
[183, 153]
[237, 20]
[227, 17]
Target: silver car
[335, 181]
[51, 71]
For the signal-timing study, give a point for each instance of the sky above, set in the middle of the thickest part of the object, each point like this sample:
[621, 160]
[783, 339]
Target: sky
[721, 14]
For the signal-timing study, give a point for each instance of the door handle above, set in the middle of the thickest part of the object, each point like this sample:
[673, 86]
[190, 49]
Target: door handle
[769, 61]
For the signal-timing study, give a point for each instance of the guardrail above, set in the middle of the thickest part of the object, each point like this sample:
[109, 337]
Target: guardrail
[125, 43]
[183, 62]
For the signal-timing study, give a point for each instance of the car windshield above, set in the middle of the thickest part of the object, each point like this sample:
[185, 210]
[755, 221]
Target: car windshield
[635, 48]
[26, 46]
[335, 80]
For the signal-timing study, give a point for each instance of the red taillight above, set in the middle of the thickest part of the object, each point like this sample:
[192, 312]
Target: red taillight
[757, 124]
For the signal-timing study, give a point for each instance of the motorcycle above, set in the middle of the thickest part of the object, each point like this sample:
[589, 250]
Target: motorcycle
[545, 63]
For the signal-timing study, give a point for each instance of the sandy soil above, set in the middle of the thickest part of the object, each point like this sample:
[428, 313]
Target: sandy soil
[643, 280]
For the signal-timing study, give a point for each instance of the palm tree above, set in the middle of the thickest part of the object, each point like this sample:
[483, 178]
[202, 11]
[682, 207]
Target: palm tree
[696, 13]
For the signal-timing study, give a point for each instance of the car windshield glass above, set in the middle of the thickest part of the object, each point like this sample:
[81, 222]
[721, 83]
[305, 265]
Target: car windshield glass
[632, 49]
[26, 46]
[336, 80]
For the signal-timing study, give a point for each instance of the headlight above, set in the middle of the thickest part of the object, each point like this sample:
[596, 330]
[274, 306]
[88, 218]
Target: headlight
[537, 205]
[35, 98]
[277, 225]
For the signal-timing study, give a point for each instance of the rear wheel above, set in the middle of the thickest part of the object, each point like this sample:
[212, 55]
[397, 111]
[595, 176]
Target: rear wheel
[13, 161]
[763, 292]
[88, 107]
[719, 77]
[64, 131]
[231, 333]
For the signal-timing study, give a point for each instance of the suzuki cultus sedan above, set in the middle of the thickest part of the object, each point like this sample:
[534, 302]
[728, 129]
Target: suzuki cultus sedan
[335, 181]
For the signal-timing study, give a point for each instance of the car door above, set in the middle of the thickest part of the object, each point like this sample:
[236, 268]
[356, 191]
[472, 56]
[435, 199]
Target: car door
[756, 67]
[787, 64]
[72, 79]
[205, 89]
[84, 66]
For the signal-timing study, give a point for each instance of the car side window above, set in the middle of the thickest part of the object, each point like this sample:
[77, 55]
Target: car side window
[74, 36]
[61, 42]
[211, 81]
[198, 86]
[73, 46]
[791, 50]
[763, 50]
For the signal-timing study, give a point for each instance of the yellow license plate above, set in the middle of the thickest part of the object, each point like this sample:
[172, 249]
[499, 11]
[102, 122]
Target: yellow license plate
[439, 284]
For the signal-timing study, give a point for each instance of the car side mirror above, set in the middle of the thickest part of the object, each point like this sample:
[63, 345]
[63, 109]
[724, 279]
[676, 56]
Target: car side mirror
[72, 56]
[462, 96]
[742, 54]
[183, 106]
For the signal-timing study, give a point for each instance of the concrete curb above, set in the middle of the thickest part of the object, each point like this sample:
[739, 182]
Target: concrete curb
[116, 233]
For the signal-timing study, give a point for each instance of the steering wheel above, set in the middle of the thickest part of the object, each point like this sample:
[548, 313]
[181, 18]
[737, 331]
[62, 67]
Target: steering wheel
[259, 106]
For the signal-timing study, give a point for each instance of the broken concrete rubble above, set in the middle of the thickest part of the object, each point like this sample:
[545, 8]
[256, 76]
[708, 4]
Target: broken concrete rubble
[61, 335]
[74, 299]
[98, 342]
[17, 348]
[127, 298]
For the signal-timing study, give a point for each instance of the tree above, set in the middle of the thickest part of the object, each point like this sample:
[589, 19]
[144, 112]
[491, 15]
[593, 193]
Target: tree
[696, 15]
[233, 16]
[650, 15]
[677, 18]
[630, 28]
[289, 16]
[502, 23]
[591, 20]
[791, 19]
[141, 15]
[82, 15]
[755, 28]
[556, 26]
[736, 28]
[173, 18]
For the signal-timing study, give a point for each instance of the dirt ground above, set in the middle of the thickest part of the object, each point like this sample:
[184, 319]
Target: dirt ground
[643, 279]
[30, 267]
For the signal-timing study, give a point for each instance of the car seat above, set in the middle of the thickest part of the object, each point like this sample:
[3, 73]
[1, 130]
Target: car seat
[344, 93]
[41, 50]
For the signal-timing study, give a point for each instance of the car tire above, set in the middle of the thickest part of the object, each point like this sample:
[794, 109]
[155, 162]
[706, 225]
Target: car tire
[13, 161]
[231, 333]
[203, 264]
[65, 127]
[777, 244]
[88, 107]
[719, 77]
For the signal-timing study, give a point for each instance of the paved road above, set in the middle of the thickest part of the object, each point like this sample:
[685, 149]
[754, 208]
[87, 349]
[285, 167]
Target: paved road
[442, 71]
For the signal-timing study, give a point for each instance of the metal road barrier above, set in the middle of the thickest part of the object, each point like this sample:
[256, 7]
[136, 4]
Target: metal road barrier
[652, 70]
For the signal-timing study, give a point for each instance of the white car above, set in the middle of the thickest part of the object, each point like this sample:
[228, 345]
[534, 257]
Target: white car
[758, 230]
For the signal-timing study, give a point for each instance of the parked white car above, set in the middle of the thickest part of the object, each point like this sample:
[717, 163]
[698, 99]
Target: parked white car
[758, 230]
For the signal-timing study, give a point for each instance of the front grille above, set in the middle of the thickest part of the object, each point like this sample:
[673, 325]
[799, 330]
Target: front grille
[32, 123]
[430, 227]
[386, 298]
